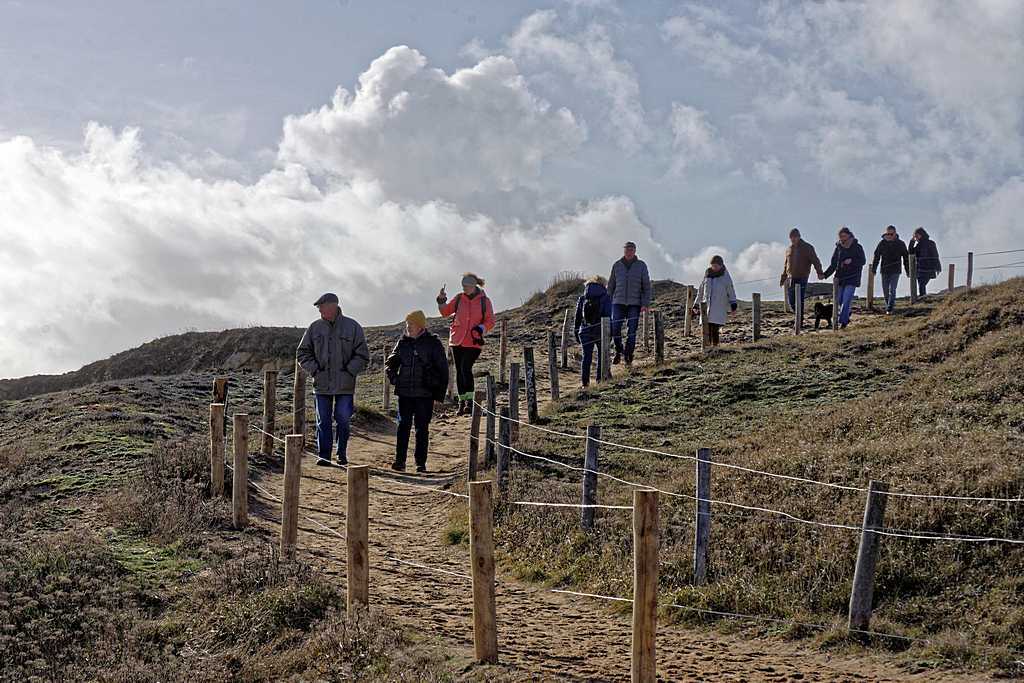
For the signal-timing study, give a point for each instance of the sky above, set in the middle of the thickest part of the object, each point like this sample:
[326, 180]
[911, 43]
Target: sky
[202, 165]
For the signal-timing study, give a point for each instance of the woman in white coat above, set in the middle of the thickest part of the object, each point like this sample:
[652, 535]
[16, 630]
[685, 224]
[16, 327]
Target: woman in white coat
[718, 293]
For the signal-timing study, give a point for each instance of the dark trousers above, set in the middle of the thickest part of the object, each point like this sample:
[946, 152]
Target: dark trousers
[589, 347]
[464, 357]
[713, 329]
[631, 316]
[413, 412]
[801, 283]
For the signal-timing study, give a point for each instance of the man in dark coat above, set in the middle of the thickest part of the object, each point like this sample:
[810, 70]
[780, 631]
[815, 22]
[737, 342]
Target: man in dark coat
[418, 369]
[891, 251]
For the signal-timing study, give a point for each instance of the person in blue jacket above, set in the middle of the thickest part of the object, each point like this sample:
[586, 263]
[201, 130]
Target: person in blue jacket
[847, 263]
[595, 304]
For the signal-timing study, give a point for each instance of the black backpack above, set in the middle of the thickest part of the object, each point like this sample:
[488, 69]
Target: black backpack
[592, 310]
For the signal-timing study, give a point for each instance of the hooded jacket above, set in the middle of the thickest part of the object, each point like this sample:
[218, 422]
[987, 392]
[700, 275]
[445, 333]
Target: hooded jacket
[847, 274]
[333, 354]
[718, 292]
[890, 253]
[418, 367]
[927, 256]
[591, 333]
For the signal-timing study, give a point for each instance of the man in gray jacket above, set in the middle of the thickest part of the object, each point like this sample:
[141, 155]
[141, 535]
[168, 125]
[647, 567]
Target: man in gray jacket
[630, 288]
[333, 351]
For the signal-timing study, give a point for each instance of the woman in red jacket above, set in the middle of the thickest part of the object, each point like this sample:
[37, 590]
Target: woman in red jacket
[474, 315]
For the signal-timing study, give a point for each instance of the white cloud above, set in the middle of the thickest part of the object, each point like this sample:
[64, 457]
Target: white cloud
[589, 58]
[769, 172]
[694, 139]
[993, 223]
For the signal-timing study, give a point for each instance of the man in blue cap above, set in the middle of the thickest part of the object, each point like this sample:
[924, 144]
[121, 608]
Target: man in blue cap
[333, 351]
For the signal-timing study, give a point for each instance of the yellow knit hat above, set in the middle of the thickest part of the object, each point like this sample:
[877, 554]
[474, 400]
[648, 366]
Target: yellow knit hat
[418, 318]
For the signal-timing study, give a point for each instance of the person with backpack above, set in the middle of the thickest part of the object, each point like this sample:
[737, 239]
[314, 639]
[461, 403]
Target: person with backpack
[473, 315]
[718, 292]
[594, 304]
[418, 369]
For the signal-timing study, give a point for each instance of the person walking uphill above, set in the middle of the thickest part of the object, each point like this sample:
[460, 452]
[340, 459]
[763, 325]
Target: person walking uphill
[718, 292]
[927, 256]
[333, 351]
[847, 263]
[891, 251]
[800, 258]
[590, 308]
[630, 288]
[474, 315]
[418, 369]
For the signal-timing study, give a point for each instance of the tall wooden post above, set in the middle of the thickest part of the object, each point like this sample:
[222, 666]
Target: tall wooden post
[290, 508]
[503, 351]
[220, 395]
[835, 305]
[385, 399]
[474, 435]
[970, 268]
[504, 448]
[757, 315]
[952, 270]
[867, 557]
[531, 385]
[299, 401]
[913, 279]
[357, 537]
[552, 365]
[871, 291]
[269, 410]
[492, 402]
[240, 478]
[645, 586]
[646, 318]
[513, 398]
[659, 338]
[590, 474]
[688, 319]
[565, 341]
[703, 532]
[798, 312]
[705, 342]
[788, 307]
[481, 544]
[217, 449]
[606, 349]
[451, 374]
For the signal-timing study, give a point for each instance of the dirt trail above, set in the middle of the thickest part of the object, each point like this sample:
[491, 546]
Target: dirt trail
[541, 635]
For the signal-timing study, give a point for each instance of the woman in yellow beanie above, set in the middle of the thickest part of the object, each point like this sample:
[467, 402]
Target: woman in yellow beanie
[418, 369]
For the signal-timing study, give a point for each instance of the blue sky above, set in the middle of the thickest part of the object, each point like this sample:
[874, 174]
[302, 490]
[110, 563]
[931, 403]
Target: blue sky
[202, 165]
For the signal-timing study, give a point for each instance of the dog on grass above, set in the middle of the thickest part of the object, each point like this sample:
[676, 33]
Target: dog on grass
[822, 312]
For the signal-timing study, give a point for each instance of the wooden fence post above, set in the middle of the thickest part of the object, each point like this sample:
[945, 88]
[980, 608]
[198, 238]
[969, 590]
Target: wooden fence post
[503, 351]
[385, 400]
[504, 449]
[451, 374]
[835, 305]
[705, 342]
[703, 532]
[970, 268]
[785, 296]
[269, 410]
[645, 586]
[481, 543]
[756, 297]
[871, 291]
[531, 385]
[952, 270]
[606, 349]
[798, 311]
[290, 508]
[357, 537]
[867, 557]
[913, 279]
[220, 395]
[565, 341]
[688, 320]
[659, 338]
[590, 474]
[513, 398]
[646, 330]
[240, 478]
[552, 365]
[492, 401]
[217, 449]
[299, 401]
[474, 435]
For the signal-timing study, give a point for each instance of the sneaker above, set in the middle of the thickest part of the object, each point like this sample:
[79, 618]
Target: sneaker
[323, 462]
[421, 468]
[342, 460]
[618, 357]
[397, 466]
[462, 408]
[843, 326]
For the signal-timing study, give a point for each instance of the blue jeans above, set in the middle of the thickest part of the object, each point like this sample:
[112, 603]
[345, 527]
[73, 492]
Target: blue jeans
[413, 411]
[800, 282]
[588, 355]
[889, 282]
[631, 316]
[337, 409]
[845, 298]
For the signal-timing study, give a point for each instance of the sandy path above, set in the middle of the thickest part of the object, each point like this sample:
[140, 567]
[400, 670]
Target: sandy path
[541, 635]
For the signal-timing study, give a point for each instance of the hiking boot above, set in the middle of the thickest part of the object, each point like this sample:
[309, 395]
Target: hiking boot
[398, 466]
[342, 460]
[462, 408]
[629, 361]
[618, 357]
[421, 468]
[323, 462]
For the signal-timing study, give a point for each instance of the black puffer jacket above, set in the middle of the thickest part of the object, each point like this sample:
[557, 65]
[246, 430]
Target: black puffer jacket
[418, 367]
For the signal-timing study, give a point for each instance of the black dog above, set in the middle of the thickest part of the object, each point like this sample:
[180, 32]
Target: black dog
[822, 312]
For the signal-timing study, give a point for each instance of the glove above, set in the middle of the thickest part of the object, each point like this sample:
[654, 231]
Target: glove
[477, 336]
[874, 272]
[732, 305]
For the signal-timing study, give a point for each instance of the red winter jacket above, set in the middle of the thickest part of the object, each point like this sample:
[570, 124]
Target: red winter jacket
[467, 316]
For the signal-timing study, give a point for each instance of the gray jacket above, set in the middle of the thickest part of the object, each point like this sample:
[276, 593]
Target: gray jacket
[630, 286]
[333, 354]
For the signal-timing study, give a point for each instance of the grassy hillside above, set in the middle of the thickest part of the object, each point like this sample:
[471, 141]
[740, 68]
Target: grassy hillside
[114, 561]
